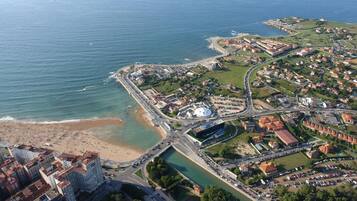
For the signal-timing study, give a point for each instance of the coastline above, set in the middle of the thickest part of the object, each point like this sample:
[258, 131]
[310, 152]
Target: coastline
[68, 136]
[142, 117]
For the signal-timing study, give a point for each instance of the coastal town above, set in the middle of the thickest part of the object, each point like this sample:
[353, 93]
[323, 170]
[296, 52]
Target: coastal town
[270, 117]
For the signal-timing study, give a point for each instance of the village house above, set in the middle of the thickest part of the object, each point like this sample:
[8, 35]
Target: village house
[268, 168]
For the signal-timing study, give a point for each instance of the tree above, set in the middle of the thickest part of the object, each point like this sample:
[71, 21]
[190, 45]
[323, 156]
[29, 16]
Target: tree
[117, 196]
[213, 193]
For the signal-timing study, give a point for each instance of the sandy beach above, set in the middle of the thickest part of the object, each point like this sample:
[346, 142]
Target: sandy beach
[142, 116]
[71, 137]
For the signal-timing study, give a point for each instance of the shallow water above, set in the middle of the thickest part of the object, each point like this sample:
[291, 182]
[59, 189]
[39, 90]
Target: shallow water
[56, 55]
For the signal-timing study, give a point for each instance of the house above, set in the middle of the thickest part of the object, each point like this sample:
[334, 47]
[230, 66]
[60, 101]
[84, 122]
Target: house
[326, 149]
[271, 123]
[259, 138]
[347, 118]
[245, 169]
[268, 168]
[273, 144]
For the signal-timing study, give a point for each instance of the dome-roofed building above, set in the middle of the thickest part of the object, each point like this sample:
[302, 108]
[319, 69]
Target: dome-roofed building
[202, 112]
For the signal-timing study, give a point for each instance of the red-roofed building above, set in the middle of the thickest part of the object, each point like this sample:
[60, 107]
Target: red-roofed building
[268, 168]
[271, 123]
[347, 118]
[327, 148]
[286, 137]
[37, 191]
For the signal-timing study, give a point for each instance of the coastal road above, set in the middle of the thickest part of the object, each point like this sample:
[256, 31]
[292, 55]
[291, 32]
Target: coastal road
[185, 146]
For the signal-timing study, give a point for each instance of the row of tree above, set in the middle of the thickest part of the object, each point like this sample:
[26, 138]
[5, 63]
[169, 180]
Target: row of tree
[311, 193]
[161, 173]
[213, 193]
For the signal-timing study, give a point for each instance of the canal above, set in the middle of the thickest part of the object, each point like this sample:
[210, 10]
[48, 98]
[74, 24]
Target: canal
[196, 173]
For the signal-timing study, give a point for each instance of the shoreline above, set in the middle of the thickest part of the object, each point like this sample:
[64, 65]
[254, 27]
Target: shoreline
[142, 117]
[68, 136]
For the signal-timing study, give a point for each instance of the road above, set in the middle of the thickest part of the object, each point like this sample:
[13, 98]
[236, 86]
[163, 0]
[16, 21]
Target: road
[179, 140]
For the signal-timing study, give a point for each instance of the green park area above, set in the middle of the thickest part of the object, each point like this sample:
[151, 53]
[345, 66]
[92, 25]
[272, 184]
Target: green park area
[230, 74]
[291, 161]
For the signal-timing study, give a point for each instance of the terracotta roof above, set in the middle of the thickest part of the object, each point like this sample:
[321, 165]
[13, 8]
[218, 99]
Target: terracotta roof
[286, 137]
[267, 167]
[32, 192]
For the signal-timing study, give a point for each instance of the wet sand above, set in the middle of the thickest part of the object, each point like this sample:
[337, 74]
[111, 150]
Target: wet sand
[142, 117]
[70, 137]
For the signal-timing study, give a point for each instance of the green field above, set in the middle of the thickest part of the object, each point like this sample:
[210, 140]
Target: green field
[285, 87]
[262, 92]
[139, 173]
[291, 161]
[240, 138]
[232, 74]
[167, 87]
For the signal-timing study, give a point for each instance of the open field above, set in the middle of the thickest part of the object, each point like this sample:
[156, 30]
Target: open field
[233, 74]
[239, 145]
[291, 161]
[285, 87]
[262, 92]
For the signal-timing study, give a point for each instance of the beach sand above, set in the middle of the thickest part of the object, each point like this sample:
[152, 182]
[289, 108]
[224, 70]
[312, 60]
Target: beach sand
[71, 137]
[142, 116]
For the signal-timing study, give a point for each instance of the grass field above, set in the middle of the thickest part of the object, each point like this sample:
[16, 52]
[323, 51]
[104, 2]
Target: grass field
[263, 92]
[233, 74]
[167, 87]
[285, 87]
[240, 138]
[291, 161]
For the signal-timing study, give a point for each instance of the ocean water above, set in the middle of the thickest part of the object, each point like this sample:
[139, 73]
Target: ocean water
[56, 55]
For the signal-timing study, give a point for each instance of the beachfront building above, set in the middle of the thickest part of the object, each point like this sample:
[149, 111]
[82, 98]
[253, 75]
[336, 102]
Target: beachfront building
[44, 175]
[37, 191]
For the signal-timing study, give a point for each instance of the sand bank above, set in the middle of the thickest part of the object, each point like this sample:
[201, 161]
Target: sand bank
[68, 136]
[142, 117]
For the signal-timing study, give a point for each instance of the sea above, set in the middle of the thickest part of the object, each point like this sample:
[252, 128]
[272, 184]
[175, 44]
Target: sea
[57, 56]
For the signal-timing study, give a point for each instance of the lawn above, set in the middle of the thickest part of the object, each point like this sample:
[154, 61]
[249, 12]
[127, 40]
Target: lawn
[232, 74]
[352, 129]
[240, 138]
[291, 161]
[139, 173]
[262, 92]
[167, 87]
[285, 87]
